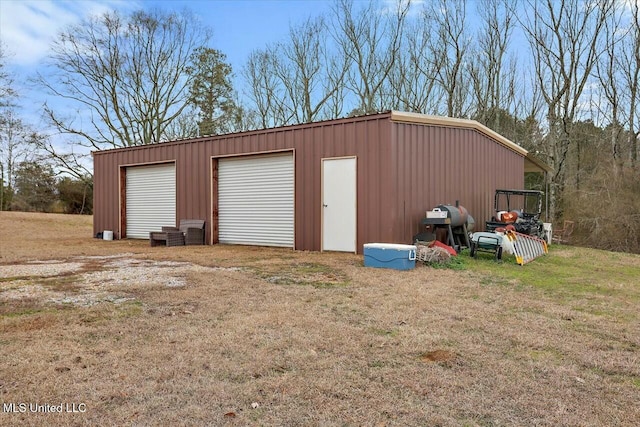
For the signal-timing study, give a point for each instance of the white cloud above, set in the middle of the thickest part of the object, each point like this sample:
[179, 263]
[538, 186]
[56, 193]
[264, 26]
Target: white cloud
[27, 28]
[390, 7]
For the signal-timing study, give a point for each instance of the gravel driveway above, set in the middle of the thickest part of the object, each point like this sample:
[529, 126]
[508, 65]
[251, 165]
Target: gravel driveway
[87, 281]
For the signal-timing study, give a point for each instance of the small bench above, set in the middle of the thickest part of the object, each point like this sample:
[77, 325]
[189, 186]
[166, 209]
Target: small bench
[166, 237]
[190, 232]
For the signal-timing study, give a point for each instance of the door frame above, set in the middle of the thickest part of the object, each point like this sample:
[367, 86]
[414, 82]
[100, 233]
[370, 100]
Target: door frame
[355, 237]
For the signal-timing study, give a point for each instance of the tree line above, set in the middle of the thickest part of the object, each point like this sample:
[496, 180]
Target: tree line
[559, 77]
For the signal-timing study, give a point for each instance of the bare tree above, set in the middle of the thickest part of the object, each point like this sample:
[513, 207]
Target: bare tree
[450, 43]
[14, 143]
[611, 91]
[492, 73]
[7, 90]
[14, 134]
[371, 41]
[310, 73]
[265, 89]
[629, 60]
[126, 77]
[414, 79]
[298, 80]
[184, 126]
[564, 38]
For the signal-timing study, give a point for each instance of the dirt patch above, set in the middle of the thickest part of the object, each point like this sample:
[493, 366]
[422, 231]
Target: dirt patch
[438, 356]
[85, 281]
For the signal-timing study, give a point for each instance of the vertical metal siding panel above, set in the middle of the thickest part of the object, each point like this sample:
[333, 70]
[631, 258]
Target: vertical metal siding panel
[457, 183]
[302, 227]
[384, 181]
[304, 202]
[404, 209]
[182, 179]
[419, 166]
[396, 158]
[98, 208]
[451, 164]
[303, 177]
[399, 142]
[447, 174]
[189, 201]
[99, 211]
[388, 162]
[340, 135]
[369, 225]
[435, 162]
[188, 175]
[110, 198]
[203, 194]
[313, 199]
[405, 172]
[198, 176]
[389, 233]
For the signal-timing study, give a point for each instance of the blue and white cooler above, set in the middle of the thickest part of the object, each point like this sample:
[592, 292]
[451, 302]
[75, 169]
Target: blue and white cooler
[390, 255]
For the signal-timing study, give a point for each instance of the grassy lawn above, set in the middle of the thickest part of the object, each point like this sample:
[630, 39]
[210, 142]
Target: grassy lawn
[224, 335]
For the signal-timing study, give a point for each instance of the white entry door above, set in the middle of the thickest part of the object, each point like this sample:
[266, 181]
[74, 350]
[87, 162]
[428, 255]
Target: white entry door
[339, 204]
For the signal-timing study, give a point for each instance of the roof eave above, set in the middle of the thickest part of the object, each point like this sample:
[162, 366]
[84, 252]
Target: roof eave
[401, 116]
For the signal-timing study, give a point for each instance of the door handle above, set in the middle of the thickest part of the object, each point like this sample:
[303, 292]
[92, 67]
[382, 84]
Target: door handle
[324, 206]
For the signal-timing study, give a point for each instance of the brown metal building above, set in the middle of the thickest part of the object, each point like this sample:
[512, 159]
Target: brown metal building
[331, 185]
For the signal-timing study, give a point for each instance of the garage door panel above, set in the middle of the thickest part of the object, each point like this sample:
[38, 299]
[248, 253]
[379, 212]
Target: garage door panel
[150, 199]
[256, 200]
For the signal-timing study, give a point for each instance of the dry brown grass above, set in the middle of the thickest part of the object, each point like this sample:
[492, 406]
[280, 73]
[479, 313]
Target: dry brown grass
[299, 338]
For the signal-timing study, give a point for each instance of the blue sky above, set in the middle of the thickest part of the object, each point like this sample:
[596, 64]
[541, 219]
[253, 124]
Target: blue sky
[28, 27]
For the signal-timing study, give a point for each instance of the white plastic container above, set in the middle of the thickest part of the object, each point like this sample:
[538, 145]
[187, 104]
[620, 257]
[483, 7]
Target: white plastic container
[548, 231]
[107, 235]
[436, 213]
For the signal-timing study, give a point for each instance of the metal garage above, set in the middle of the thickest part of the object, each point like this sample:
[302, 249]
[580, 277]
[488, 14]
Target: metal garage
[150, 199]
[332, 185]
[256, 200]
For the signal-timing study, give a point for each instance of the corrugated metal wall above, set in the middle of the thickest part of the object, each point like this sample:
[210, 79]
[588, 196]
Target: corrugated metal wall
[364, 137]
[403, 170]
[435, 165]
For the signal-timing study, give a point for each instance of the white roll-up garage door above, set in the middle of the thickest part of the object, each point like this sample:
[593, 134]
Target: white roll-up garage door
[256, 200]
[150, 199]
